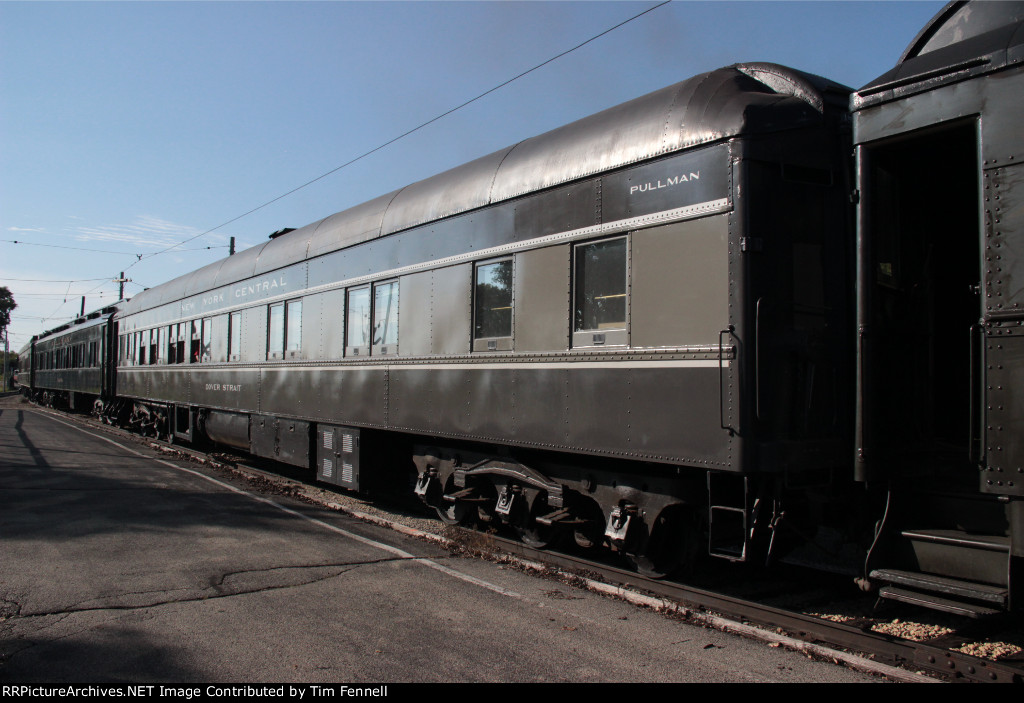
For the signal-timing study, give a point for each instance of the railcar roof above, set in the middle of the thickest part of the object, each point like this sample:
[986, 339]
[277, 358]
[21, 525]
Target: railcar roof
[95, 318]
[964, 39]
[736, 100]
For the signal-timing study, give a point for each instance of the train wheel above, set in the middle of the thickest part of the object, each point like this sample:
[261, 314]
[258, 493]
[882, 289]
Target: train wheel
[530, 532]
[452, 513]
[456, 513]
[672, 547]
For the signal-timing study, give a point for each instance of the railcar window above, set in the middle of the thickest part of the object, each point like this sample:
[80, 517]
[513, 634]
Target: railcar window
[172, 344]
[385, 317]
[235, 336]
[152, 346]
[207, 337]
[600, 288]
[144, 347]
[275, 330]
[195, 338]
[492, 298]
[179, 336]
[164, 348]
[358, 321]
[293, 329]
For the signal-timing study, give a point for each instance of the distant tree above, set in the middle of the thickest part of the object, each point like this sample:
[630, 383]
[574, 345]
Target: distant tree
[6, 305]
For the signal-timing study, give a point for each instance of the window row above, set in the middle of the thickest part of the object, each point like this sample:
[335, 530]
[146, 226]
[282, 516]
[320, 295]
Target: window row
[180, 343]
[75, 356]
[371, 315]
[664, 286]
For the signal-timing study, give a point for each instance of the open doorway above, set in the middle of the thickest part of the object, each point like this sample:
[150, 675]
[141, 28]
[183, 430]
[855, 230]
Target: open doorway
[924, 301]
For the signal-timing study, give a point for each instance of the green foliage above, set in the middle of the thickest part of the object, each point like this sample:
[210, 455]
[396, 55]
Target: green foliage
[6, 305]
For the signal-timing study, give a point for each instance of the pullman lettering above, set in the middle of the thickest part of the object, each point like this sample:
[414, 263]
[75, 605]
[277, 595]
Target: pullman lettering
[666, 183]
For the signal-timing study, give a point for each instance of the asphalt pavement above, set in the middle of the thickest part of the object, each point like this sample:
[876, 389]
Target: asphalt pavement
[120, 565]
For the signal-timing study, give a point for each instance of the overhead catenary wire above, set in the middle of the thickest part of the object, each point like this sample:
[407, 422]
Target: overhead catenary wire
[106, 251]
[413, 130]
[57, 280]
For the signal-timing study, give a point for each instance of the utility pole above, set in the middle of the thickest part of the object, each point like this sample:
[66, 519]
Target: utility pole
[82, 314]
[231, 249]
[6, 345]
[120, 288]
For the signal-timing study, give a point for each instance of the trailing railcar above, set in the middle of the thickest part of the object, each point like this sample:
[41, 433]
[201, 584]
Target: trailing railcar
[24, 373]
[72, 366]
[940, 419]
[632, 329]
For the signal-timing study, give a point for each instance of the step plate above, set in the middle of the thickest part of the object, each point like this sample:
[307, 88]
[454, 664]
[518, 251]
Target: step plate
[927, 600]
[986, 593]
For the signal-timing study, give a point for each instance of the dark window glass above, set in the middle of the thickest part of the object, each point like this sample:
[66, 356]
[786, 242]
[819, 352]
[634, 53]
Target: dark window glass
[601, 286]
[195, 341]
[493, 300]
[179, 345]
[172, 344]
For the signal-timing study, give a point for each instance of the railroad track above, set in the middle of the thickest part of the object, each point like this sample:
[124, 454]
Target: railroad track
[885, 649]
[819, 636]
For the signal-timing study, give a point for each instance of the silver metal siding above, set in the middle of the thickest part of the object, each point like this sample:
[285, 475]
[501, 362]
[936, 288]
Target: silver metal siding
[542, 299]
[679, 293]
[254, 334]
[332, 325]
[414, 312]
[451, 310]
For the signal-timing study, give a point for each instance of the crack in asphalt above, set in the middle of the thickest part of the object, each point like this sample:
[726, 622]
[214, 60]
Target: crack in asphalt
[217, 586]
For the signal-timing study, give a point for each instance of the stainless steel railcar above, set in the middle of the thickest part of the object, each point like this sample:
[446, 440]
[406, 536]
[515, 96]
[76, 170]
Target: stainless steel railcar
[612, 330]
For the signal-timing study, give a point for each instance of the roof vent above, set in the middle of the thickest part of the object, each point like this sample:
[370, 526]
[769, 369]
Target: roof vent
[281, 232]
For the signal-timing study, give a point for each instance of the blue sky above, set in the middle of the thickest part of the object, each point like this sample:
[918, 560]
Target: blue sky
[126, 127]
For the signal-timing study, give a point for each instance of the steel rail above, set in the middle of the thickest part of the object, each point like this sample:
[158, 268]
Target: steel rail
[917, 656]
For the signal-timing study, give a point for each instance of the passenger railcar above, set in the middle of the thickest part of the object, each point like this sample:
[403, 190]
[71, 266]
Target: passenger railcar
[750, 315]
[72, 366]
[618, 288]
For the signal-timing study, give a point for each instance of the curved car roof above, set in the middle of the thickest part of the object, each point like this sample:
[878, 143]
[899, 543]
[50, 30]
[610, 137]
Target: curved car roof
[728, 102]
[964, 39]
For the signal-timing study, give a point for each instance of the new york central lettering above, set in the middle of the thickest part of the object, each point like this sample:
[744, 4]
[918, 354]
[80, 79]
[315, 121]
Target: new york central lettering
[258, 287]
[666, 183]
